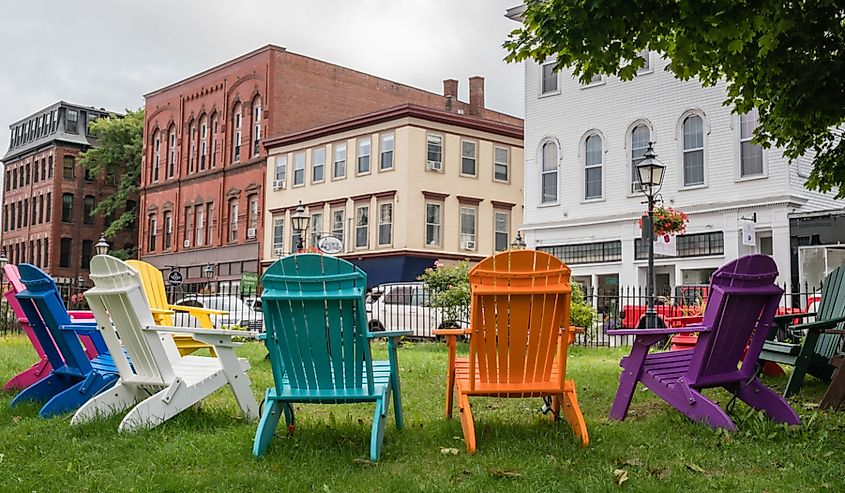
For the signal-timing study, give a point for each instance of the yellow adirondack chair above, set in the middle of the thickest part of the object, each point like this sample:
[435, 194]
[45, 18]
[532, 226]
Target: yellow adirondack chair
[519, 335]
[163, 311]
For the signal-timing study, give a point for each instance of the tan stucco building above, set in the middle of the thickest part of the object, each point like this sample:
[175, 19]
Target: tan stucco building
[400, 188]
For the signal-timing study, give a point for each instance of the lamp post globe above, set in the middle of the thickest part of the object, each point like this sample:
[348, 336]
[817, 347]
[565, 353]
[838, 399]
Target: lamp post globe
[650, 172]
[518, 243]
[102, 246]
[208, 271]
[3, 258]
[299, 223]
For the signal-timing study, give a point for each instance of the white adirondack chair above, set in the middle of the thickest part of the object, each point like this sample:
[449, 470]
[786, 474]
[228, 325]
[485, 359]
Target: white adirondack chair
[159, 383]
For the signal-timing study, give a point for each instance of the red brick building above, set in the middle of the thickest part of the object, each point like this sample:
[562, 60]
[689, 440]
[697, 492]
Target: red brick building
[49, 197]
[202, 199]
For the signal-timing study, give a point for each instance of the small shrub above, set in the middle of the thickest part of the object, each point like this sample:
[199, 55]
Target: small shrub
[449, 288]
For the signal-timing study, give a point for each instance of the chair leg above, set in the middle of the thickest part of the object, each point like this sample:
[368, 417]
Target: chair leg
[466, 421]
[377, 434]
[624, 394]
[29, 376]
[75, 396]
[762, 398]
[42, 390]
[802, 364]
[169, 402]
[238, 381]
[267, 425]
[452, 343]
[573, 415]
[835, 393]
[701, 409]
[107, 403]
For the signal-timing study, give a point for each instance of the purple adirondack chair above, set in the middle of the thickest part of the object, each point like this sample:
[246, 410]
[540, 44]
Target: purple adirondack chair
[41, 369]
[741, 307]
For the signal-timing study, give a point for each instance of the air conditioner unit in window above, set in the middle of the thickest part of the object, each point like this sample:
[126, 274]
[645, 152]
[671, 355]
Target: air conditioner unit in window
[278, 252]
[278, 184]
[435, 165]
[186, 243]
[469, 245]
[250, 232]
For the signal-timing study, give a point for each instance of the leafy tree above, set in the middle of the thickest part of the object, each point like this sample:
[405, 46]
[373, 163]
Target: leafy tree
[449, 287]
[783, 57]
[118, 153]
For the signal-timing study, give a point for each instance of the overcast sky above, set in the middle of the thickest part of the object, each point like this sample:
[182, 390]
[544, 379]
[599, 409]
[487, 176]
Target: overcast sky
[108, 53]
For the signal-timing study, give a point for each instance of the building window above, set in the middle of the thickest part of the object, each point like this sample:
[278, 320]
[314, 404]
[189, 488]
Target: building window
[233, 220]
[65, 245]
[468, 157]
[49, 166]
[237, 118]
[87, 248]
[67, 207]
[34, 171]
[338, 219]
[316, 227]
[593, 153]
[385, 223]
[156, 154]
[210, 223]
[25, 209]
[46, 253]
[203, 140]
[318, 164]
[299, 168]
[49, 207]
[41, 209]
[281, 171]
[68, 167]
[214, 131]
[14, 179]
[278, 236]
[549, 83]
[38, 253]
[433, 220]
[88, 206]
[364, 145]
[26, 173]
[339, 161]
[362, 226]
[152, 228]
[199, 225]
[92, 117]
[501, 163]
[501, 230]
[468, 227]
[192, 145]
[256, 125]
[646, 56]
[587, 253]
[168, 230]
[44, 168]
[252, 219]
[693, 151]
[751, 154]
[386, 150]
[171, 152]
[549, 174]
[639, 144]
[87, 174]
[8, 180]
[72, 121]
[434, 153]
[688, 245]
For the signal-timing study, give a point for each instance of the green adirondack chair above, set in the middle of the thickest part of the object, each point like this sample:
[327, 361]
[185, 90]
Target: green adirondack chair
[319, 345]
[812, 355]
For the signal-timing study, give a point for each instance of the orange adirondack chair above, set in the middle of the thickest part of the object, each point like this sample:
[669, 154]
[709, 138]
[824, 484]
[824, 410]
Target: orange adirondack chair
[519, 336]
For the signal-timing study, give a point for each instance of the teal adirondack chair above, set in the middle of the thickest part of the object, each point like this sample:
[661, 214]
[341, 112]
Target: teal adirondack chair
[319, 345]
[812, 355]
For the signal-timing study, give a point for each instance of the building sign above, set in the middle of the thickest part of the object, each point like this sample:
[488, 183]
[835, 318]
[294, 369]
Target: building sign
[174, 278]
[249, 283]
[749, 233]
[330, 245]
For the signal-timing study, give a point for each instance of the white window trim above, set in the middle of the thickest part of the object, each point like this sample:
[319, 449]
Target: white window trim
[508, 164]
[381, 151]
[293, 182]
[442, 153]
[627, 146]
[358, 155]
[461, 166]
[540, 160]
[602, 81]
[461, 209]
[358, 207]
[649, 56]
[540, 93]
[345, 160]
[679, 138]
[582, 158]
[441, 205]
[379, 205]
[737, 132]
[313, 157]
[507, 231]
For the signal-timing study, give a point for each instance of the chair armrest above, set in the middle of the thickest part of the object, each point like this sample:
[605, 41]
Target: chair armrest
[821, 325]
[161, 311]
[81, 314]
[450, 332]
[389, 333]
[262, 336]
[786, 318]
[656, 332]
[573, 329]
[81, 327]
[200, 331]
[196, 309]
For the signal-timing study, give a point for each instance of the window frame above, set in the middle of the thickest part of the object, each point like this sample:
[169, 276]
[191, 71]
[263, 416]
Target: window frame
[439, 224]
[360, 157]
[338, 148]
[506, 232]
[543, 172]
[764, 173]
[684, 151]
[556, 75]
[429, 141]
[318, 165]
[382, 223]
[634, 187]
[297, 168]
[466, 208]
[366, 226]
[384, 137]
[587, 166]
[473, 158]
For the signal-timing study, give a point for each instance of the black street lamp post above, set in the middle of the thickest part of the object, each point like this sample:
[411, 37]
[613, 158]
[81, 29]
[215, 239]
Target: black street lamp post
[650, 172]
[299, 223]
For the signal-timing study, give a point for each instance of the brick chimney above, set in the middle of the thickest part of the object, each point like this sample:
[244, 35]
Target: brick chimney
[450, 92]
[476, 95]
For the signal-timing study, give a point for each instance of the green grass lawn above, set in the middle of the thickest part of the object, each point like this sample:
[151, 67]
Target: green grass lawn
[209, 447]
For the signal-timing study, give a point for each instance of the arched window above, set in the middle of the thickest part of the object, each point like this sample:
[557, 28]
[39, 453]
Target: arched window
[256, 124]
[214, 129]
[156, 154]
[192, 145]
[693, 151]
[171, 151]
[639, 143]
[593, 167]
[203, 140]
[549, 174]
[237, 119]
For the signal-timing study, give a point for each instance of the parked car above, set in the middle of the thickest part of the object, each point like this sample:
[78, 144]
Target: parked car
[240, 313]
[407, 306]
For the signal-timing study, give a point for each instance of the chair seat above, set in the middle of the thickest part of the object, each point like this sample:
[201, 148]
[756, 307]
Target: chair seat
[505, 389]
[195, 369]
[782, 348]
[381, 378]
[668, 366]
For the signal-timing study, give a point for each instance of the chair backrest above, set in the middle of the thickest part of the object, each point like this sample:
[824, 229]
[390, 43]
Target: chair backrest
[520, 301]
[120, 307]
[153, 284]
[15, 287]
[742, 302]
[44, 309]
[832, 305]
[316, 322]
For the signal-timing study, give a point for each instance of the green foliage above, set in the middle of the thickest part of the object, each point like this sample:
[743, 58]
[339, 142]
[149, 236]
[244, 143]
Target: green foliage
[784, 58]
[117, 153]
[581, 312]
[449, 287]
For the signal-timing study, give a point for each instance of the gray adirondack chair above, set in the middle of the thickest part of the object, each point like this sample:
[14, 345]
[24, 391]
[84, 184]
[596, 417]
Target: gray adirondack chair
[742, 305]
[812, 355]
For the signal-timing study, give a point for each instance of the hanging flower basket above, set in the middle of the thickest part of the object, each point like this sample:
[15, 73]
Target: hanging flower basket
[668, 221]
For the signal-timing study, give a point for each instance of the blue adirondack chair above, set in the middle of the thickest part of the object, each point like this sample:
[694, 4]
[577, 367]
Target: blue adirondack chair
[74, 379]
[319, 345]
[742, 305]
